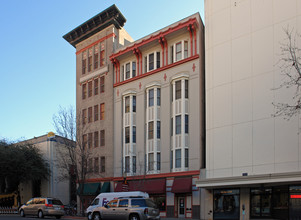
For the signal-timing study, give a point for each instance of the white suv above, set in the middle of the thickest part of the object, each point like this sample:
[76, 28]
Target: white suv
[128, 208]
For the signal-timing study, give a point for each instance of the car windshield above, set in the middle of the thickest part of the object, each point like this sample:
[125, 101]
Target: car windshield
[54, 202]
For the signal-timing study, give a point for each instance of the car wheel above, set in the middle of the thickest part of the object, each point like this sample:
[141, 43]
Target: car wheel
[40, 214]
[134, 217]
[22, 213]
[58, 216]
[96, 216]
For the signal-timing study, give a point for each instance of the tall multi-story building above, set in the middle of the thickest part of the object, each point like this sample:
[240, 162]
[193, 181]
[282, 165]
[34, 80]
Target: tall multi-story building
[146, 100]
[95, 40]
[252, 158]
[159, 116]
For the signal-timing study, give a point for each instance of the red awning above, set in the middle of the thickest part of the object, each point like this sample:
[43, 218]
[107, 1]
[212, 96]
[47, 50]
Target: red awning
[182, 185]
[152, 186]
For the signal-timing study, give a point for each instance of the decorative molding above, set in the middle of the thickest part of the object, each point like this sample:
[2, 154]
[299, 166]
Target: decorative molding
[94, 74]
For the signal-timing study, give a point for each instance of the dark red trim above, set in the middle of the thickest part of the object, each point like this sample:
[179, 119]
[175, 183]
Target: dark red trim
[157, 70]
[191, 21]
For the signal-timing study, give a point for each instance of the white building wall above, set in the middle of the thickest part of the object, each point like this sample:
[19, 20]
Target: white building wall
[242, 52]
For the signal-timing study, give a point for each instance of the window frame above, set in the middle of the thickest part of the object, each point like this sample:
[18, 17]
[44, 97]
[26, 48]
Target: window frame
[102, 138]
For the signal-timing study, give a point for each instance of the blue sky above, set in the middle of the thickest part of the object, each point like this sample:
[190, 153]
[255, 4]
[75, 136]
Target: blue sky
[38, 66]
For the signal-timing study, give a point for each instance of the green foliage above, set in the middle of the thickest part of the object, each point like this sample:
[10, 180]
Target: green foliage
[21, 163]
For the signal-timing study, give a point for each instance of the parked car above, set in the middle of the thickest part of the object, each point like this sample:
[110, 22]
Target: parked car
[43, 207]
[103, 198]
[128, 208]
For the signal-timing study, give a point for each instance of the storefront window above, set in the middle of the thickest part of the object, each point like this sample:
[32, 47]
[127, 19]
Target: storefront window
[261, 202]
[226, 204]
[295, 202]
[280, 202]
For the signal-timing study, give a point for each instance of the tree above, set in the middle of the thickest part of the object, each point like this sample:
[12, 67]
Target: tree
[290, 65]
[74, 159]
[19, 163]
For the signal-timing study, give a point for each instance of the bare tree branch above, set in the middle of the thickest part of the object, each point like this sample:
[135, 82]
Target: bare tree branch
[290, 65]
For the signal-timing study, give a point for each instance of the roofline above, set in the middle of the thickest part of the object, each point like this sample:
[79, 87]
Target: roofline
[194, 19]
[109, 16]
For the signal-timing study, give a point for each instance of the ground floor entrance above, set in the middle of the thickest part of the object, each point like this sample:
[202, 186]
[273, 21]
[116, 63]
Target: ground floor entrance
[258, 202]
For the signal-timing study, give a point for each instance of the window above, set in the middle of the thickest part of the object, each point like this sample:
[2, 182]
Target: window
[84, 93]
[96, 60]
[127, 104]
[89, 63]
[178, 158]
[96, 87]
[185, 49]
[133, 69]
[186, 157]
[127, 164]
[186, 124]
[84, 141]
[134, 103]
[134, 134]
[178, 124]
[158, 161]
[96, 140]
[102, 58]
[102, 164]
[90, 89]
[150, 62]
[123, 203]
[84, 116]
[186, 89]
[89, 114]
[102, 111]
[134, 164]
[150, 130]
[178, 89]
[102, 84]
[158, 96]
[180, 52]
[95, 112]
[127, 71]
[90, 135]
[158, 60]
[127, 135]
[84, 66]
[102, 138]
[158, 129]
[96, 165]
[151, 161]
[113, 203]
[151, 97]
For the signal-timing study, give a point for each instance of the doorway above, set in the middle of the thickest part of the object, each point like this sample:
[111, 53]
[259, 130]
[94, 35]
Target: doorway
[181, 207]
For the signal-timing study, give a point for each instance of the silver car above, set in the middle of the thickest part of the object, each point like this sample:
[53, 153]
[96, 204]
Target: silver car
[128, 208]
[43, 207]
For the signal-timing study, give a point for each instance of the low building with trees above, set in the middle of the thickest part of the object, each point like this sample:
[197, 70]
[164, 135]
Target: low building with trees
[59, 183]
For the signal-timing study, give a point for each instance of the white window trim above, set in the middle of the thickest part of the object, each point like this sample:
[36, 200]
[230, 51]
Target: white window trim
[131, 69]
[155, 60]
[182, 52]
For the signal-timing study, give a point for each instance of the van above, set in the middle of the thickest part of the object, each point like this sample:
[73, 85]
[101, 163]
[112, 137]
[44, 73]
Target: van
[103, 198]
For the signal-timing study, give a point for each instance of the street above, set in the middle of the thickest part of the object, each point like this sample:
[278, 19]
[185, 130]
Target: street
[17, 217]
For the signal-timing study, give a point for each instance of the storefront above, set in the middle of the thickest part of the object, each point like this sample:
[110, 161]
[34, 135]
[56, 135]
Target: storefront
[265, 202]
[266, 196]
[176, 197]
